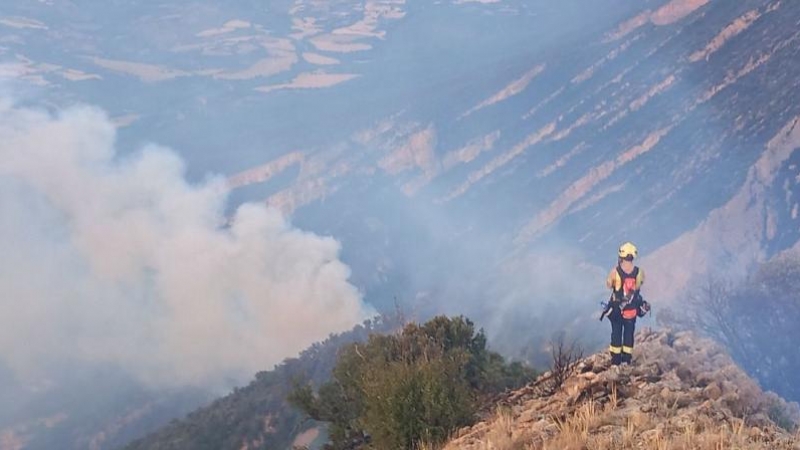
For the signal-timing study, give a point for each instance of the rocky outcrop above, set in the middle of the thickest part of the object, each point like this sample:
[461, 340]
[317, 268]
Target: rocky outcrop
[681, 392]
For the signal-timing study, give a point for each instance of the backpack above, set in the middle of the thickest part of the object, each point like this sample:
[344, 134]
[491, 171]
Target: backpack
[628, 288]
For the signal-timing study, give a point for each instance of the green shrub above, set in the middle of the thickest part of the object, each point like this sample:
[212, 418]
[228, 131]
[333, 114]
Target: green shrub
[416, 386]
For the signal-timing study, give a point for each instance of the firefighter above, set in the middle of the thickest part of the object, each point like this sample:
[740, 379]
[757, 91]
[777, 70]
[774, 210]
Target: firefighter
[626, 303]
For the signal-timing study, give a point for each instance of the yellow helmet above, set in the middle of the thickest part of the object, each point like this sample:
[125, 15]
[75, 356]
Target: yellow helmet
[627, 250]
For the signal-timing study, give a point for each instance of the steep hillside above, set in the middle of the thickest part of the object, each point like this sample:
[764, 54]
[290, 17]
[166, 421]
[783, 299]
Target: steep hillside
[682, 392]
[67, 417]
[755, 224]
[361, 120]
[258, 416]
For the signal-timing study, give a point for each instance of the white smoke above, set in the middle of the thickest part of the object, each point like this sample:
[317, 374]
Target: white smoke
[105, 259]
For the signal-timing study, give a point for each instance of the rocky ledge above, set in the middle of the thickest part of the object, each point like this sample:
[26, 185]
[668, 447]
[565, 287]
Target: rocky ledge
[681, 392]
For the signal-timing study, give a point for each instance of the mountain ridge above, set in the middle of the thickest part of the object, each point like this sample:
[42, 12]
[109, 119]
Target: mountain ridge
[682, 391]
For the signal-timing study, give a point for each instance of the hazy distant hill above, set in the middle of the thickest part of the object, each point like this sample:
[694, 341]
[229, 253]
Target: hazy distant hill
[259, 415]
[386, 123]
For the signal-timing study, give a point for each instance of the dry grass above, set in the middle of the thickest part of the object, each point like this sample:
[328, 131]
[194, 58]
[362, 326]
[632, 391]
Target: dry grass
[584, 420]
[724, 437]
[501, 433]
[592, 427]
[576, 432]
[613, 399]
[683, 394]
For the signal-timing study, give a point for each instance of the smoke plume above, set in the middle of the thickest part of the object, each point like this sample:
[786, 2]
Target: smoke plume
[119, 260]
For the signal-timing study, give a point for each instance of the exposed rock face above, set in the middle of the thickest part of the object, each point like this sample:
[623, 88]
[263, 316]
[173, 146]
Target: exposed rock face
[681, 392]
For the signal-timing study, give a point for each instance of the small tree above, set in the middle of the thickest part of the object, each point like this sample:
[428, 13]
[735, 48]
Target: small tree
[418, 386]
[564, 358]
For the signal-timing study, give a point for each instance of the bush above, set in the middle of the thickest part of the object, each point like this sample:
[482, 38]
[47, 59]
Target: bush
[420, 385]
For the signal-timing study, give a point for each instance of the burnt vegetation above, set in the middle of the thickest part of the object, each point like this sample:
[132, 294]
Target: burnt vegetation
[565, 357]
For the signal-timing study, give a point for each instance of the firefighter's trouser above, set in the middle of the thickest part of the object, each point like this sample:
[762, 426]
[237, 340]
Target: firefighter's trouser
[622, 331]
